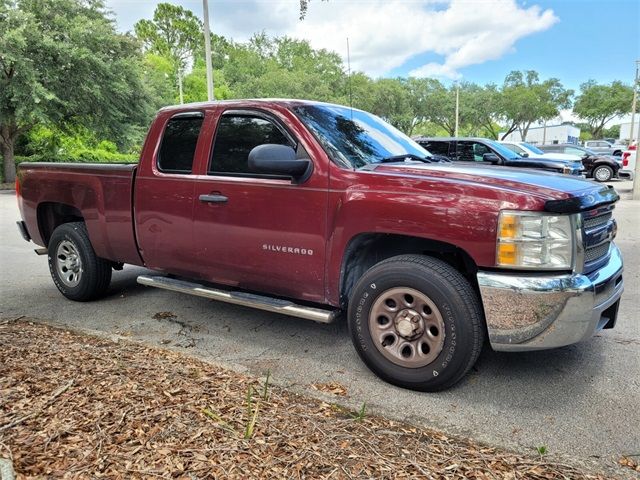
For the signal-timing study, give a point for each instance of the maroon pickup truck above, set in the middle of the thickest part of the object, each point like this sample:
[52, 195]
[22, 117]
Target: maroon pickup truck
[311, 209]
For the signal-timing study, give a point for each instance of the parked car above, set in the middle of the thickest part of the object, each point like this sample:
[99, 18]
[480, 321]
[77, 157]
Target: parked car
[525, 149]
[490, 152]
[629, 159]
[311, 209]
[602, 168]
[605, 148]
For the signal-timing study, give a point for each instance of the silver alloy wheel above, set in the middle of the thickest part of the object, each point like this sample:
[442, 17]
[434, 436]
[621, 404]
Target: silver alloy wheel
[407, 327]
[602, 174]
[68, 263]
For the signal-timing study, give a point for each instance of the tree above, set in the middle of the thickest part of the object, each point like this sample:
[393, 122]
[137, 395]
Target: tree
[525, 99]
[598, 104]
[304, 7]
[484, 105]
[390, 100]
[62, 63]
[283, 67]
[195, 84]
[175, 33]
[436, 103]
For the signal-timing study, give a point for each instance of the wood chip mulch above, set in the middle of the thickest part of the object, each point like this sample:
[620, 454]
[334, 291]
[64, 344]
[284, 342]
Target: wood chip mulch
[77, 406]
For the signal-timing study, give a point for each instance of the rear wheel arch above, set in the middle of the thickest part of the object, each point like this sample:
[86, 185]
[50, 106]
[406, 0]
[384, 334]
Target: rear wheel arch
[53, 214]
[365, 250]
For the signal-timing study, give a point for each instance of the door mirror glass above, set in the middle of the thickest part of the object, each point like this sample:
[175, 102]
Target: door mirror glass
[276, 159]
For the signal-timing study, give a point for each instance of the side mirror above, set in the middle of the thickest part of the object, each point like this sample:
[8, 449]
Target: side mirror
[276, 159]
[491, 158]
[524, 154]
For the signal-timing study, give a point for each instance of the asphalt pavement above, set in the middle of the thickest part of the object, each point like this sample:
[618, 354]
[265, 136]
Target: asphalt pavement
[582, 402]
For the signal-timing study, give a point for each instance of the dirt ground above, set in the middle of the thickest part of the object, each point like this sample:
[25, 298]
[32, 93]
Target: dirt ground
[78, 406]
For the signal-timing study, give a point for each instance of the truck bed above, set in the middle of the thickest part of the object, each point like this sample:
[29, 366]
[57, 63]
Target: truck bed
[99, 193]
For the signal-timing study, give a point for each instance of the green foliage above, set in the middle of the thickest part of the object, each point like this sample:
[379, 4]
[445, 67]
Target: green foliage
[598, 104]
[49, 144]
[195, 85]
[390, 100]
[175, 34]
[63, 63]
[525, 99]
[360, 415]
[611, 132]
[283, 67]
[73, 89]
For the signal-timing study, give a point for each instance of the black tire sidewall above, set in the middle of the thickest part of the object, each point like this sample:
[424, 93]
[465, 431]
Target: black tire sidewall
[88, 285]
[455, 355]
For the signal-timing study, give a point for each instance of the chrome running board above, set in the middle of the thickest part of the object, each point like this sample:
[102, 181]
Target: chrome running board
[260, 302]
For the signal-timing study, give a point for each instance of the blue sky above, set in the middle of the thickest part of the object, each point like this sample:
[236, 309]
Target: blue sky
[479, 41]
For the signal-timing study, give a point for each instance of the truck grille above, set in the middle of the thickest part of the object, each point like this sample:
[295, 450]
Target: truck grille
[598, 230]
[595, 253]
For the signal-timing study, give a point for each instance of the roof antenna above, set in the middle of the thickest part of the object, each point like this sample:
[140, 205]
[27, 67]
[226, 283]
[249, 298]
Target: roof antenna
[349, 79]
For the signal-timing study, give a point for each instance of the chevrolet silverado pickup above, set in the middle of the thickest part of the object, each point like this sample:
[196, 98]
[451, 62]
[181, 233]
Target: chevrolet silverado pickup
[322, 211]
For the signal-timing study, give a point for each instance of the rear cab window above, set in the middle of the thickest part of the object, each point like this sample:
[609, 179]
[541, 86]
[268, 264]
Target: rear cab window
[179, 140]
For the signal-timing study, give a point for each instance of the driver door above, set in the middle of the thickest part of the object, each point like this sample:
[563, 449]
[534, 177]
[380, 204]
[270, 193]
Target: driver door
[258, 231]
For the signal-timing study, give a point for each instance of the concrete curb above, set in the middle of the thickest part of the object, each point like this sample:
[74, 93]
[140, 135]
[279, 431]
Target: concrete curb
[6, 470]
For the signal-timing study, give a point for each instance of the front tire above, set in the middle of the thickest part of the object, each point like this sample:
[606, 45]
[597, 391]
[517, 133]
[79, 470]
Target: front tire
[75, 268]
[416, 322]
[602, 173]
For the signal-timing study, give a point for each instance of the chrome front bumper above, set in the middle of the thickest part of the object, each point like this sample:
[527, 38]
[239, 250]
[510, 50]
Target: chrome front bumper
[535, 312]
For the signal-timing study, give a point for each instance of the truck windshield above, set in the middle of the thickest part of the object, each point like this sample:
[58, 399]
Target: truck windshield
[503, 151]
[533, 148]
[354, 139]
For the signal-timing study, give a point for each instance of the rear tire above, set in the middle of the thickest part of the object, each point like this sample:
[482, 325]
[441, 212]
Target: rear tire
[416, 322]
[75, 268]
[602, 173]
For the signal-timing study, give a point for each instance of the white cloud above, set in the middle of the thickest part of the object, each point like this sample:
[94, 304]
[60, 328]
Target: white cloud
[383, 34]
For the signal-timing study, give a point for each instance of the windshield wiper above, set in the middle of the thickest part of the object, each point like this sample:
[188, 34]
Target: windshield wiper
[404, 156]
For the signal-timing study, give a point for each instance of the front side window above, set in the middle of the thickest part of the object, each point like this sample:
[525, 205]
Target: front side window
[236, 136]
[471, 151]
[436, 147]
[179, 144]
[574, 151]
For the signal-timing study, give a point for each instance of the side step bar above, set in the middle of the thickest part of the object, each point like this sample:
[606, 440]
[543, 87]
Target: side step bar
[241, 298]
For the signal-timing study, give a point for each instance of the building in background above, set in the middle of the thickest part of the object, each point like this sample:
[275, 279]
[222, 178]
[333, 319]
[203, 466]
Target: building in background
[551, 134]
[625, 131]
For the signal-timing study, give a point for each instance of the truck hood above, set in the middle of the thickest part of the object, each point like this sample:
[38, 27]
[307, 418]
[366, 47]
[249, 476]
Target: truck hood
[551, 163]
[570, 193]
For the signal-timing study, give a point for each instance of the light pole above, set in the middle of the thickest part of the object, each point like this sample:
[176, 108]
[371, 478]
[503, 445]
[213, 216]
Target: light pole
[207, 50]
[457, 107]
[636, 181]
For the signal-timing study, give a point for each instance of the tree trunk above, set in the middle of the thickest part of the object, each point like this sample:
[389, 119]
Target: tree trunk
[8, 160]
[510, 130]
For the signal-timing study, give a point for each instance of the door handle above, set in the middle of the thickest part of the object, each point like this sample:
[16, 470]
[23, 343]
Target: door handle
[213, 198]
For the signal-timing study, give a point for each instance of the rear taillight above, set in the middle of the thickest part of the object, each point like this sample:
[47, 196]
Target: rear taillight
[625, 159]
[633, 147]
[17, 186]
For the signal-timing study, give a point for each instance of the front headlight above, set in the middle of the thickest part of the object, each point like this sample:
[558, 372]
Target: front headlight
[534, 240]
